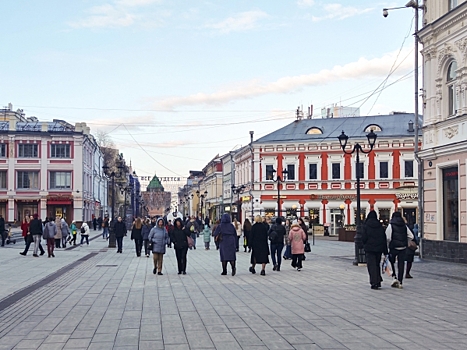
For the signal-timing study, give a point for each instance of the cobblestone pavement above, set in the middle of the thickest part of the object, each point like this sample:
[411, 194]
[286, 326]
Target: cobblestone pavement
[97, 299]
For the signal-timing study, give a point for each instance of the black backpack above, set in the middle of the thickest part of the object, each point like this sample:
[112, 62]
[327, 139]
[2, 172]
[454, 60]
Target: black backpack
[83, 230]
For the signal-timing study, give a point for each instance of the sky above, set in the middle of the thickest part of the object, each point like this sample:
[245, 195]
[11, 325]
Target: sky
[175, 83]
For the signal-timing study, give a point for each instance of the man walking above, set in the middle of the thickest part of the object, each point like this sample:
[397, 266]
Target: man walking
[2, 229]
[35, 228]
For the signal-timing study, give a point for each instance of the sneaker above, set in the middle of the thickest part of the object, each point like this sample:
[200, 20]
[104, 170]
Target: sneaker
[299, 269]
[395, 283]
[400, 286]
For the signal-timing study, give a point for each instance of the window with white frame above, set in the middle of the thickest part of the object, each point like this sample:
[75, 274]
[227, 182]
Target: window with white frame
[28, 180]
[383, 170]
[60, 180]
[2, 150]
[59, 151]
[3, 179]
[290, 171]
[269, 172]
[451, 82]
[27, 150]
[313, 171]
[336, 171]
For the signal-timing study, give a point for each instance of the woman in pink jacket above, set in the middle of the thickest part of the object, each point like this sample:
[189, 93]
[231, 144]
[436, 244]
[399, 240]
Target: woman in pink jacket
[297, 238]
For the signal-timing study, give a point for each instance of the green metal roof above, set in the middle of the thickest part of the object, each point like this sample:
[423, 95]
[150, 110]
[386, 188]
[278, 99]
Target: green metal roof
[155, 185]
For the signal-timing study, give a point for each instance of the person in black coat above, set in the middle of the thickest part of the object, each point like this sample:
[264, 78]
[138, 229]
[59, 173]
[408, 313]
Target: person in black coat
[259, 245]
[120, 232]
[374, 243]
[178, 237]
[276, 236]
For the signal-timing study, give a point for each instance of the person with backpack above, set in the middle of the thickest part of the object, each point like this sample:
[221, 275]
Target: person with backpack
[84, 233]
[397, 236]
[193, 227]
[276, 237]
[374, 243]
[50, 230]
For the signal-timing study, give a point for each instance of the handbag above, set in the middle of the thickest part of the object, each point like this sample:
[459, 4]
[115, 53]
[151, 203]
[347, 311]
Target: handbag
[307, 247]
[190, 241]
[412, 245]
[218, 238]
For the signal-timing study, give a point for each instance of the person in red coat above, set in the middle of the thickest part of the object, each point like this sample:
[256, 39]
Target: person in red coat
[25, 229]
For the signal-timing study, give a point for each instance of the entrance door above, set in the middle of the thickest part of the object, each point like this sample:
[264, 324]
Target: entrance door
[336, 221]
[410, 215]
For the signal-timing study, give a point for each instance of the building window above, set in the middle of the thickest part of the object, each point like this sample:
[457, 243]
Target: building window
[408, 166]
[314, 131]
[373, 127]
[60, 151]
[451, 204]
[359, 171]
[452, 4]
[451, 84]
[336, 171]
[290, 172]
[314, 216]
[269, 172]
[27, 150]
[383, 170]
[3, 179]
[60, 180]
[28, 179]
[313, 171]
[384, 216]
[2, 150]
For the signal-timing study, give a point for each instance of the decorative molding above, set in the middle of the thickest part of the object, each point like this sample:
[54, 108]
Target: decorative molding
[451, 131]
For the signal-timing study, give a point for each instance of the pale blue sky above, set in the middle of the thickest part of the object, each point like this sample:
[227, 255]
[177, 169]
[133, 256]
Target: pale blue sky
[188, 79]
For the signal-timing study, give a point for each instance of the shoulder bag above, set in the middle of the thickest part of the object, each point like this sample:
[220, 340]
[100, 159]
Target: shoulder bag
[412, 245]
[307, 247]
[190, 241]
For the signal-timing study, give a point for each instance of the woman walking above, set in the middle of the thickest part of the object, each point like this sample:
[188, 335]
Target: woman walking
[227, 245]
[84, 233]
[214, 227]
[297, 242]
[238, 229]
[65, 231]
[288, 249]
[276, 236]
[145, 233]
[105, 227]
[74, 231]
[259, 245]
[207, 236]
[58, 236]
[246, 234]
[159, 238]
[180, 241]
[136, 234]
[25, 229]
[410, 253]
[374, 243]
[50, 230]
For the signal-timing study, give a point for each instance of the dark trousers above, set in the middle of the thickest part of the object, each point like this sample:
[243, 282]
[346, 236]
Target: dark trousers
[373, 261]
[119, 244]
[57, 242]
[297, 260]
[138, 246]
[30, 240]
[276, 251]
[400, 254]
[288, 251]
[3, 237]
[73, 239]
[50, 246]
[146, 246]
[83, 238]
[237, 245]
[181, 258]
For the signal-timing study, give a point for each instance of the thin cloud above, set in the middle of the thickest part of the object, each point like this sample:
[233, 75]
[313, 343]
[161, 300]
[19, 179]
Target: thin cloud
[339, 12]
[239, 23]
[305, 3]
[363, 68]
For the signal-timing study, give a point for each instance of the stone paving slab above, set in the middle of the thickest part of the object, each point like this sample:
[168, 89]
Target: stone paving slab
[113, 301]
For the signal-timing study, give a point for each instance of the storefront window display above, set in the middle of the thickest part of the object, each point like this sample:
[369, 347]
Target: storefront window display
[384, 216]
[451, 204]
[314, 216]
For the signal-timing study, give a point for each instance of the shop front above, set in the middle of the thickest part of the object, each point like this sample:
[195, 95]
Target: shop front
[3, 205]
[26, 208]
[60, 206]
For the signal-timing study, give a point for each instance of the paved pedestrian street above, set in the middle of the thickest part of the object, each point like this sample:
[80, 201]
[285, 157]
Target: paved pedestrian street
[94, 298]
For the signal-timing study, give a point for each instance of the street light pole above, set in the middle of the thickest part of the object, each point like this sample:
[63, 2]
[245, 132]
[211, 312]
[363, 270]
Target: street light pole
[343, 138]
[112, 175]
[279, 182]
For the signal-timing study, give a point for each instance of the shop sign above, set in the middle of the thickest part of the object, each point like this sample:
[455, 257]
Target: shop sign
[405, 196]
[334, 196]
[281, 197]
[246, 198]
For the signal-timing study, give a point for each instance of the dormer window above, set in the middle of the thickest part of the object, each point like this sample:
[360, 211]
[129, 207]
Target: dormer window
[314, 131]
[374, 127]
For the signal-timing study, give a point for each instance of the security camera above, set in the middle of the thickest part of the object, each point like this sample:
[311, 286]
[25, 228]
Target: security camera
[385, 13]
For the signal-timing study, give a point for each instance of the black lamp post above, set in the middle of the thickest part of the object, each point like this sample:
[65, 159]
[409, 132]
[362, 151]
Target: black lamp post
[112, 175]
[343, 138]
[279, 181]
[126, 190]
[201, 196]
[237, 191]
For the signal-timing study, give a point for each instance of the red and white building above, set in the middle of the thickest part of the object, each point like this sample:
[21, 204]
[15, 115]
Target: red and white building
[321, 180]
[49, 168]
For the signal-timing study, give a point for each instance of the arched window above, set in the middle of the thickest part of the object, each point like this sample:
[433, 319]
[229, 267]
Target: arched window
[314, 131]
[374, 127]
[451, 84]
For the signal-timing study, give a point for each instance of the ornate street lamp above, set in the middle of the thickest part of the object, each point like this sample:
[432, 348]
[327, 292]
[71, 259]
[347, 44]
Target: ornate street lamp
[343, 138]
[279, 181]
[112, 175]
[237, 191]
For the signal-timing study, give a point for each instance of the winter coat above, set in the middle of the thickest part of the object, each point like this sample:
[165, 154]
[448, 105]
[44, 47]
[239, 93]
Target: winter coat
[206, 234]
[65, 229]
[58, 225]
[397, 233]
[159, 238]
[228, 244]
[373, 235]
[120, 229]
[297, 238]
[192, 227]
[238, 229]
[279, 234]
[50, 230]
[259, 243]
[73, 228]
[287, 231]
[136, 233]
[179, 238]
[145, 231]
[86, 229]
[35, 227]
[24, 229]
